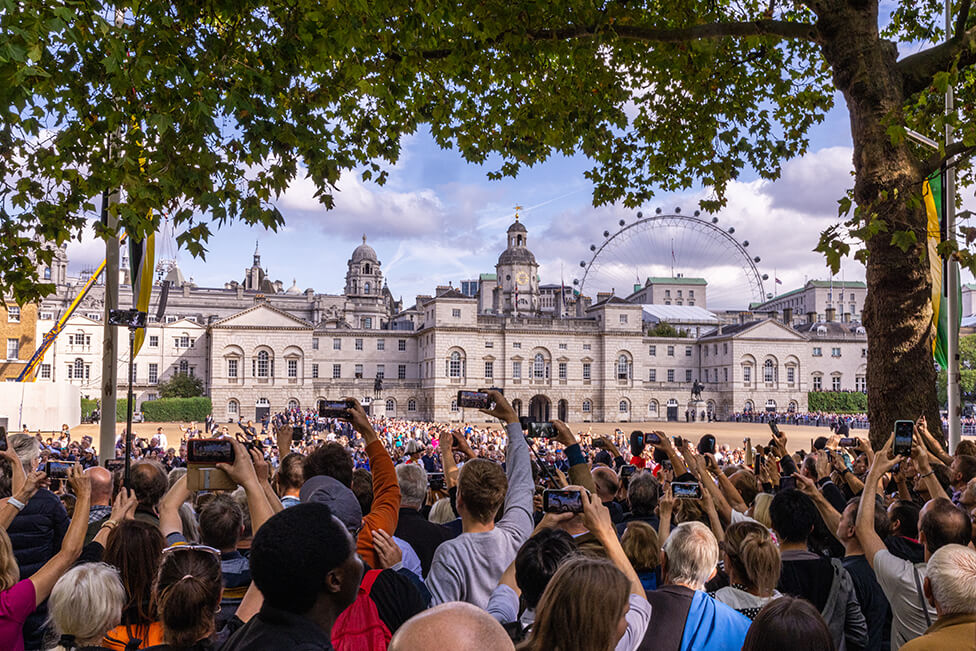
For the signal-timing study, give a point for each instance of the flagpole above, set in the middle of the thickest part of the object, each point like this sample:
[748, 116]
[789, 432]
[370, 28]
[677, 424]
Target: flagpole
[950, 285]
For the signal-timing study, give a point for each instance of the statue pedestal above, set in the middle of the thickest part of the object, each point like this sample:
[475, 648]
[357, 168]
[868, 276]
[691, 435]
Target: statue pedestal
[698, 407]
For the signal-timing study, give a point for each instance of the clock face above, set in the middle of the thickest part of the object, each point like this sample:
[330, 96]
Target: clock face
[521, 278]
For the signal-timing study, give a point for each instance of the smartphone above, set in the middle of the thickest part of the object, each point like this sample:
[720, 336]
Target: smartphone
[787, 483]
[334, 409]
[690, 490]
[473, 399]
[113, 465]
[209, 451]
[651, 437]
[297, 432]
[904, 429]
[848, 442]
[534, 430]
[58, 469]
[774, 428]
[678, 441]
[627, 470]
[3, 438]
[435, 480]
[562, 500]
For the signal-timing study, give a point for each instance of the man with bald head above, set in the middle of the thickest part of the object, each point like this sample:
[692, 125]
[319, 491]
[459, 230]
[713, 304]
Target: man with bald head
[455, 625]
[607, 485]
[101, 499]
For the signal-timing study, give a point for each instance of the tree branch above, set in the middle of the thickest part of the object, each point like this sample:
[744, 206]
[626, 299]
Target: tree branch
[919, 69]
[961, 18]
[762, 27]
[936, 161]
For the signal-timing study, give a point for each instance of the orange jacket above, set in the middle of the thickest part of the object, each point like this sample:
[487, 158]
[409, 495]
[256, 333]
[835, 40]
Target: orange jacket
[386, 502]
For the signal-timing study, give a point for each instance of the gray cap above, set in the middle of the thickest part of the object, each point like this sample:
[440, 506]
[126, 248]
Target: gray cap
[414, 446]
[331, 492]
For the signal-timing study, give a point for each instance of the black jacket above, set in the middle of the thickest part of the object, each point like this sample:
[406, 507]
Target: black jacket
[424, 536]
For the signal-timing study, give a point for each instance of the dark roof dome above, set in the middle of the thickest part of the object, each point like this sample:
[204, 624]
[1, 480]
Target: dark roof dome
[517, 227]
[518, 255]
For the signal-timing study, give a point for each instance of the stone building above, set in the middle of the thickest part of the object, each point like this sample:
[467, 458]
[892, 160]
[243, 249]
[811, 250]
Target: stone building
[18, 327]
[813, 301]
[260, 348]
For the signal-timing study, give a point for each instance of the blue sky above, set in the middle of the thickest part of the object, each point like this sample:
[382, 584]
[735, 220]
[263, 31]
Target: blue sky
[439, 220]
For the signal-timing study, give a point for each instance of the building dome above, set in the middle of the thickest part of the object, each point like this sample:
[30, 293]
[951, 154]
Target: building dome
[364, 252]
[517, 227]
[294, 287]
[519, 255]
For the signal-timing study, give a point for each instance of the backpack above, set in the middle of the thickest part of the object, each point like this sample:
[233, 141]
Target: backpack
[359, 627]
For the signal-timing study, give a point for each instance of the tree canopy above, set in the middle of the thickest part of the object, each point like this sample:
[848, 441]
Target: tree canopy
[207, 111]
[181, 385]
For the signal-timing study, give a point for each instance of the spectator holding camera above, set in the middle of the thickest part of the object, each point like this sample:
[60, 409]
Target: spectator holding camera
[468, 567]
[424, 536]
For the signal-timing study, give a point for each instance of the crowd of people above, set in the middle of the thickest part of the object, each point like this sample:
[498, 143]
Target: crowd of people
[353, 534]
[808, 418]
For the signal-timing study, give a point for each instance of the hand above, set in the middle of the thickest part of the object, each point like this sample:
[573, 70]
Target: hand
[711, 464]
[553, 520]
[665, 503]
[822, 463]
[609, 445]
[764, 477]
[360, 421]
[806, 485]
[33, 481]
[262, 469]
[462, 444]
[502, 410]
[921, 458]
[563, 434]
[124, 507]
[663, 442]
[884, 460]
[860, 445]
[779, 442]
[665, 475]
[387, 550]
[838, 462]
[79, 481]
[283, 439]
[242, 470]
[445, 441]
[773, 470]
[596, 517]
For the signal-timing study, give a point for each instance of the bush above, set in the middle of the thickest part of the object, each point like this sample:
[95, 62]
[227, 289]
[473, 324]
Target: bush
[88, 405]
[838, 402]
[176, 409]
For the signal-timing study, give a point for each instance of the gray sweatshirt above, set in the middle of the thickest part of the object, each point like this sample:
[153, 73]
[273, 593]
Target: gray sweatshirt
[468, 567]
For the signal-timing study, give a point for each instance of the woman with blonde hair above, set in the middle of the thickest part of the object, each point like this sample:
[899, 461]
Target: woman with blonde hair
[752, 562]
[592, 604]
[760, 509]
[19, 598]
[84, 605]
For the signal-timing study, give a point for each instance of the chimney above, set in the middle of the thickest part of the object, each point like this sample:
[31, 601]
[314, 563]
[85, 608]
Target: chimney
[773, 314]
[742, 318]
[811, 317]
[847, 317]
[831, 314]
[788, 316]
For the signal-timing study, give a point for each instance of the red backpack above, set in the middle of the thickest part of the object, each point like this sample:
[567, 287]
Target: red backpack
[359, 627]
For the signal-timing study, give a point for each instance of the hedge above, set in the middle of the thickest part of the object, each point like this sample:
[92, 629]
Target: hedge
[838, 402]
[87, 407]
[169, 410]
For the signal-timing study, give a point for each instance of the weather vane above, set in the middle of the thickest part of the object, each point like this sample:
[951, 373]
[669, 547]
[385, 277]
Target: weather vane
[517, 208]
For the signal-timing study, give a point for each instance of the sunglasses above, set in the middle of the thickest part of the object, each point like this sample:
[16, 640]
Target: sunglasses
[199, 548]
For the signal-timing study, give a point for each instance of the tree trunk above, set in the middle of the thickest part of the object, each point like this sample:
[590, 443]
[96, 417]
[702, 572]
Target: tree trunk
[901, 376]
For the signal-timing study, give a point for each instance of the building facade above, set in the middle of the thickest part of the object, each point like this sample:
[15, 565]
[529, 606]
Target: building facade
[260, 348]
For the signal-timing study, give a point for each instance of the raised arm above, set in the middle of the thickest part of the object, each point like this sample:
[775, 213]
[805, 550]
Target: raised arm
[74, 539]
[934, 447]
[829, 514]
[864, 527]
[169, 508]
[596, 518]
[664, 443]
[242, 472]
[579, 469]
[445, 442]
[11, 507]
[665, 506]
[517, 517]
[923, 463]
[729, 491]
[123, 508]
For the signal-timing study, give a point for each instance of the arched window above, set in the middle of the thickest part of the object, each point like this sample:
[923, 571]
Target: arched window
[79, 369]
[292, 404]
[454, 406]
[672, 402]
[390, 406]
[184, 367]
[770, 405]
[367, 269]
[366, 288]
[769, 371]
[539, 367]
[233, 408]
[264, 364]
[748, 406]
[652, 408]
[411, 405]
[47, 273]
[792, 407]
[454, 364]
[587, 406]
[623, 407]
[623, 368]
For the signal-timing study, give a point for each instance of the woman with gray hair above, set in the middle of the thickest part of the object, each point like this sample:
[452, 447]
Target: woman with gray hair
[84, 605]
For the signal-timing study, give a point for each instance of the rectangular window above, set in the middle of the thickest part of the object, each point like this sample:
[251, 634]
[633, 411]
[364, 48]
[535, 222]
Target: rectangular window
[315, 343]
[337, 344]
[293, 368]
[587, 346]
[586, 370]
[381, 371]
[456, 313]
[154, 371]
[835, 352]
[358, 371]
[860, 383]
[13, 348]
[516, 370]
[489, 344]
[336, 371]
[13, 314]
[359, 344]
[47, 316]
[652, 351]
[687, 351]
[562, 370]
[790, 374]
[817, 383]
[705, 350]
[623, 318]
[381, 344]
[367, 323]
[670, 375]
[231, 368]
[747, 374]
[489, 370]
[691, 293]
[135, 372]
[725, 374]
[835, 383]
[315, 371]
[154, 341]
[652, 375]
[45, 371]
[687, 375]
[725, 348]
[864, 352]
[517, 344]
[817, 351]
[401, 344]
[562, 346]
[670, 351]
[402, 372]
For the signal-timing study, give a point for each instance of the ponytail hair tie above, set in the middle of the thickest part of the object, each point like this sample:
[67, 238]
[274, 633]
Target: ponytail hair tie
[67, 641]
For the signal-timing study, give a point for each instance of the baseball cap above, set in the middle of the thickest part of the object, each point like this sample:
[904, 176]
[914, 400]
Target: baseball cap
[338, 497]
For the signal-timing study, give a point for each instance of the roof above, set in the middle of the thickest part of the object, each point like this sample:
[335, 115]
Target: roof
[517, 255]
[364, 252]
[661, 280]
[969, 286]
[488, 277]
[517, 226]
[849, 284]
[678, 314]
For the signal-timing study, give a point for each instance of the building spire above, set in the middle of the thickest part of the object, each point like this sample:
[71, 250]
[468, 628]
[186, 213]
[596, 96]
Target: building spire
[517, 209]
[364, 238]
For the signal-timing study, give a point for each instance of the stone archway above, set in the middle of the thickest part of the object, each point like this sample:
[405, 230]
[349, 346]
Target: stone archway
[563, 410]
[540, 408]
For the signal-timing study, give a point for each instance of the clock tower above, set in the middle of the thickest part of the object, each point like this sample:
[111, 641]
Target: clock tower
[517, 273]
